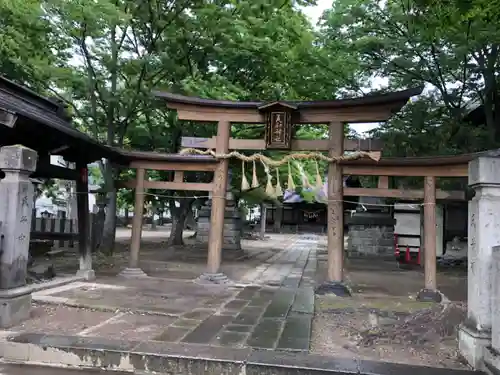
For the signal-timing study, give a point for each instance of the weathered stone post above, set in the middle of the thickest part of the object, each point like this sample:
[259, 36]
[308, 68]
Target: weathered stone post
[203, 229]
[492, 353]
[16, 204]
[371, 232]
[232, 221]
[483, 234]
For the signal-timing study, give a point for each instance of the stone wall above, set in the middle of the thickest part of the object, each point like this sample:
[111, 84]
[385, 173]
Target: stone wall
[371, 235]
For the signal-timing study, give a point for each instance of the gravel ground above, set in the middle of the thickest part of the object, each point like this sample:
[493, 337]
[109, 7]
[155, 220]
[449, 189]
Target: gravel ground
[393, 330]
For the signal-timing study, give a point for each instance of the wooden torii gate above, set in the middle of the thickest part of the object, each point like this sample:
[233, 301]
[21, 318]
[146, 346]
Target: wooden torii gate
[335, 113]
[280, 117]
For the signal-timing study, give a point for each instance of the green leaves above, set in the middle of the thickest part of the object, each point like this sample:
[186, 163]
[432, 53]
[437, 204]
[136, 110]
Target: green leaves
[26, 42]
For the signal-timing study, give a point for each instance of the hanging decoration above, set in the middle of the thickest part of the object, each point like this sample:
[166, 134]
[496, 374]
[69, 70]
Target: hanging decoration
[244, 182]
[309, 193]
[278, 189]
[305, 180]
[269, 187]
[255, 181]
[290, 183]
[319, 181]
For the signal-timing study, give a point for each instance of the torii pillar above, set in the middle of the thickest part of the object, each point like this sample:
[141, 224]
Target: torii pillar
[335, 231]
[216, 235]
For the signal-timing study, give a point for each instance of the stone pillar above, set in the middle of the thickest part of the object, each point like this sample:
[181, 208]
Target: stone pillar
[371, 232]
[492, 353]
[483, 234]
[203, 230]
[232, 226]
[232, 222]
[16, 204]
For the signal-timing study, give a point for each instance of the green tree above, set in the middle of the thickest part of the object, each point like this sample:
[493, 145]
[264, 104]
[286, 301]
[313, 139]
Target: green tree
[451, 46]
[28, 46]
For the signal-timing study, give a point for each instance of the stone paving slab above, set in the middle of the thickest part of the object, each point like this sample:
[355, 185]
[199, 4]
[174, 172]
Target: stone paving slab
[133, 327]
[180, 311]
[153, 313]
[154, 296]
[56, 319]
[149, 357]
[180, 327]
[17, 369]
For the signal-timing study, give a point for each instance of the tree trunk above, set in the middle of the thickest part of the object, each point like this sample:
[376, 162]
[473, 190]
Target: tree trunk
[109, 231]
[190, 220]
[179, 215]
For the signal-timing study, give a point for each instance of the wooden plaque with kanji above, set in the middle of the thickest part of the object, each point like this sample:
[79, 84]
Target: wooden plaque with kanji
[278, 126]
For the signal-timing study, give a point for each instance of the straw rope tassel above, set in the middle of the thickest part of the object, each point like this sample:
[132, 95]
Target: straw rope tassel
[269, 187]
[244, 182]
[319, 181]
[255, 181]
[290, 184]
[279, 190]
[305, 180]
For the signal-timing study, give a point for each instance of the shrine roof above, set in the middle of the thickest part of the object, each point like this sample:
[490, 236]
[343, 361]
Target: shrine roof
[371, 99]
[43, 126]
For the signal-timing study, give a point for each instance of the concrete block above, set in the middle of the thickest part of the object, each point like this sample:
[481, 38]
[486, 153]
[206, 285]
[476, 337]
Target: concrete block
[14, 309]
[472, 345]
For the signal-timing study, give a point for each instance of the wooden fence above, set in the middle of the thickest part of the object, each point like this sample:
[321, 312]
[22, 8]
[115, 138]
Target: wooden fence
[62, 231]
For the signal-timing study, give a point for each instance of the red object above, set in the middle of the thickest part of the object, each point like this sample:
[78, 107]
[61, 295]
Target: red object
[84, 174]
[407, 255]
[396, 247]
[418, 256]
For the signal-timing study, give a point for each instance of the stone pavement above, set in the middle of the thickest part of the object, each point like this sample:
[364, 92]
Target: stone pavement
[272, 307]
[261, 324]
[10, 369]
[291, 268]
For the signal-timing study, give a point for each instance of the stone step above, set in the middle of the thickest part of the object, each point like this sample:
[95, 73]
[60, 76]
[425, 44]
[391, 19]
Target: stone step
[168, 358]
